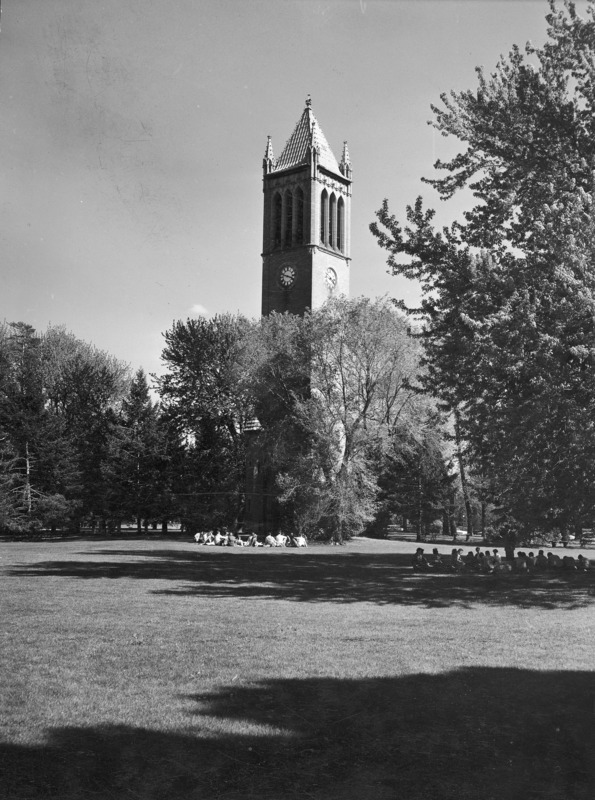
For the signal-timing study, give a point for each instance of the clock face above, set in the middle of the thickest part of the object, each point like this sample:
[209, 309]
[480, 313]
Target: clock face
[331, 278]
[287, 276]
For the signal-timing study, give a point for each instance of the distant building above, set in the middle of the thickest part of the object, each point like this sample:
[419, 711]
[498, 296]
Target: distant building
[306, 253]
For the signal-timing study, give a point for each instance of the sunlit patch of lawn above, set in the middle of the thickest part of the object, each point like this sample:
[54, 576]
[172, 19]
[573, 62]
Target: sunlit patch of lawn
[155, 669]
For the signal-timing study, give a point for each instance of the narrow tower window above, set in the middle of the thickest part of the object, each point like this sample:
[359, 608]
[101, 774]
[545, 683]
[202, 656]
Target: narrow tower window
[299, 215]
[277, 208]
[288, 217]
[332, 219]
[341, 225]
[324, 217]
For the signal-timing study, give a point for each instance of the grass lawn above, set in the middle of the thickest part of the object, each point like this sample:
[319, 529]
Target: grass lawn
[156, 669]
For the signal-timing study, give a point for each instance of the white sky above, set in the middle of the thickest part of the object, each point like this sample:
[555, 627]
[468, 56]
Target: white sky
[132, 134]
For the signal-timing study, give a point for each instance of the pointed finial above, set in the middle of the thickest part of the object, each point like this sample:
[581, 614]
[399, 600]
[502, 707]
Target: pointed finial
[269, 149]
[268, 162]
[345, 165]
[308, 102]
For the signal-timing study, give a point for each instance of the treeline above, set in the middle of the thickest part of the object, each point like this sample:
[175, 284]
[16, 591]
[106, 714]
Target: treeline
[325, 411]
[81, 443]
[326, 407]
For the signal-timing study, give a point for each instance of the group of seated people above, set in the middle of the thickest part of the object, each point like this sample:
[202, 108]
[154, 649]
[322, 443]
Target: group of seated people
[491, 561]
[281, 540]
[222, 537]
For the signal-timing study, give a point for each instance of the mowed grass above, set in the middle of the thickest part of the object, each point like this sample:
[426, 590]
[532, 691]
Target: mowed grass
[159, 669]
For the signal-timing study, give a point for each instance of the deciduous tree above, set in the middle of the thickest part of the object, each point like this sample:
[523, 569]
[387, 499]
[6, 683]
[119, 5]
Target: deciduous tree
[509, 302]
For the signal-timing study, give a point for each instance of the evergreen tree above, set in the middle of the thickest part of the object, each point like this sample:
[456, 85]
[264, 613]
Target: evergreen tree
[136, 471]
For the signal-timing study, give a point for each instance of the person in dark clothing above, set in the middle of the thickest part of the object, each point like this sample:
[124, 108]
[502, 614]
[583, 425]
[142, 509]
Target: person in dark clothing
[419, 562]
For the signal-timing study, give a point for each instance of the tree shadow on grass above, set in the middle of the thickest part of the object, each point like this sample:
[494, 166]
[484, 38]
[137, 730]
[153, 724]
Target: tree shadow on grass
[307, 576]
[495, 734]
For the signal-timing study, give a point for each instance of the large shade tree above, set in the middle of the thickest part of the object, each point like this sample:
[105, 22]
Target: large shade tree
[509, 291]
[332, 393]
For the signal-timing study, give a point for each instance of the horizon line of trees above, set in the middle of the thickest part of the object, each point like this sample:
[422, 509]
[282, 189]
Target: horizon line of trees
[347, 441]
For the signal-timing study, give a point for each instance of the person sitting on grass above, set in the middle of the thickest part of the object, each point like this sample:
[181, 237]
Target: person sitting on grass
[437, 562]
[497, 558]
[300, 540]
[471, 561]
[252, 540]
[487, 562]
[569, 564]
[520, 562]
[270, 541]
[541, 561]
[419, 562]
[218, 538]
[583, 564]
[531, 561]
[280, 539]
[554, 562]
[456, 560]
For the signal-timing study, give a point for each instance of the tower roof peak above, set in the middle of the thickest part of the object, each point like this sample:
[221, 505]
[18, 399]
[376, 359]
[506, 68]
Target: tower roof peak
[307, 135]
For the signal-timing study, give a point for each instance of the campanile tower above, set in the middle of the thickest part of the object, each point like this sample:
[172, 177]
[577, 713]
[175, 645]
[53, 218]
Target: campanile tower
[307, 214]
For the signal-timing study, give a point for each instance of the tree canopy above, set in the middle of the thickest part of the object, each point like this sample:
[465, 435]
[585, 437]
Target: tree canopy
[508, 291]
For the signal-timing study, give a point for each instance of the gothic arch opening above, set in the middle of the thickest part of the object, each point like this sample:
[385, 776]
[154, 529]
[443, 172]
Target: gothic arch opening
[277, 217]
[341, 225]
[288, 217]
[299, 215]
[332, 221]
[324, 217]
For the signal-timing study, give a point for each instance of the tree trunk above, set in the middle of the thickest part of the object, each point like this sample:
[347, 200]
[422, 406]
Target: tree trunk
[419, 535]
[28, 501]
[463, 476]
